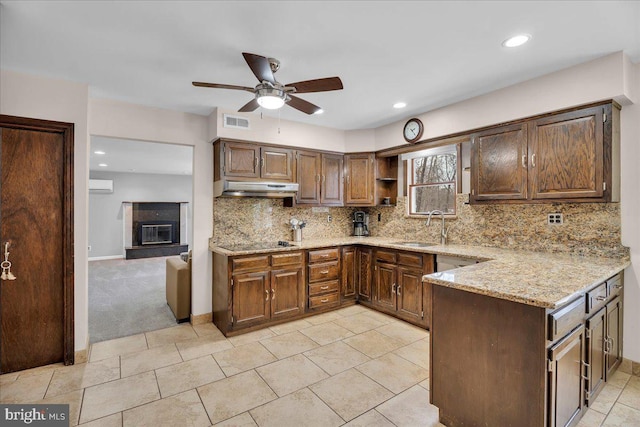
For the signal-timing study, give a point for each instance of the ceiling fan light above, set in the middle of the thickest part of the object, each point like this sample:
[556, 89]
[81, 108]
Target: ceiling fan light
[270, 98]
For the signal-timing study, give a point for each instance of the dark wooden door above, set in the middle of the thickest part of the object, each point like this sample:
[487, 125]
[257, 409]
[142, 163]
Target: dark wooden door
[349, 273]
[385, 286]
[614, 335]
[364, 258]
[409, 294]
[499, 163]
[241, 160]
[332, 186]
[566, 155]
[359, 179]
[595, 356]
[276, 163]
[36, 198]
[566, 383]
[308, 176]
[287, 292]
[251, 298]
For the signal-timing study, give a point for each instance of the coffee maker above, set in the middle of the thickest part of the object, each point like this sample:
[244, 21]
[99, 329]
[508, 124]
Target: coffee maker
[360, 223]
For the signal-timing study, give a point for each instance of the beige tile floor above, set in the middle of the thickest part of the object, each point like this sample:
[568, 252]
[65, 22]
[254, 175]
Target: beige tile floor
[352, 367]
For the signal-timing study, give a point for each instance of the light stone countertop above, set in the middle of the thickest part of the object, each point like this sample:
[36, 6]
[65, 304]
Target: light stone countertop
[541, 279]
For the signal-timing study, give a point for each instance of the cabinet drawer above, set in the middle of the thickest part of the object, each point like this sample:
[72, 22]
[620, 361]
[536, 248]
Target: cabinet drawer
[323, 255]
[413, 260]
[324, 300]
[324, 287]
[596, 297]
[566, 319]
[250, 263]
[614, 285]
[386, 256]
[325, 271]
[286, 259]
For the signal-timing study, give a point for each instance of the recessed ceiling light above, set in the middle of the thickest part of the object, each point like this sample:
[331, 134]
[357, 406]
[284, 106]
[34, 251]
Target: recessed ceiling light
[103, 165]
[99, 152]
[320, 111]
[516, 41]
[399, 105]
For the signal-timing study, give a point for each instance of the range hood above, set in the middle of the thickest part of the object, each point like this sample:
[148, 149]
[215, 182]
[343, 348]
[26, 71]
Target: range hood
[275, 190]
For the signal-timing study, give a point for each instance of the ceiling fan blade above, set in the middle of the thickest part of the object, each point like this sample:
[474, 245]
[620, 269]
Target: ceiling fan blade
[317, 85]
[302, 105]
[260, 67]
[249, 106]
[221, 86]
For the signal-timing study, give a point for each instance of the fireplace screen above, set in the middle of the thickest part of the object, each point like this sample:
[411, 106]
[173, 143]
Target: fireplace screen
[156, 234]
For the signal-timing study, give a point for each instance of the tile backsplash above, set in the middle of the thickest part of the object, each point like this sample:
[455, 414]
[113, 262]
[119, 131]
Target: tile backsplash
[588, 228]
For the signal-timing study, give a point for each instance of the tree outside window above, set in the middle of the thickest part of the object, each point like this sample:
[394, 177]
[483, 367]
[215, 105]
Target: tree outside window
[432, 180]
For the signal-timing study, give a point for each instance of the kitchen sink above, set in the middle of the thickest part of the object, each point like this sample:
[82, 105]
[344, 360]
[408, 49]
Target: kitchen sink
[415, 244]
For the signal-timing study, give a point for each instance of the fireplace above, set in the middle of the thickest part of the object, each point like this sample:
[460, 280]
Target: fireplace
[156, 234]
[154, 229]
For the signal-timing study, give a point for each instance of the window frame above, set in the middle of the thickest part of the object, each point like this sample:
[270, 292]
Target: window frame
[457, 182]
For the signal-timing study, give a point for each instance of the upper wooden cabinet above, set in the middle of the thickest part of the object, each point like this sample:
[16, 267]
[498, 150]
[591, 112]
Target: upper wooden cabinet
[570, 156]
[252, 161]
[319, 178]
[360, 179]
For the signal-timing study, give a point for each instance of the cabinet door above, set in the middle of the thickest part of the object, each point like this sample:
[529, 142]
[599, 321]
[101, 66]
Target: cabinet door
[241, 160]
[251, 295]
[364, 257]
[308, 176]
[566, 384]
[614, 335]
[359, 179]
[276, 164]
[595, 356]
[409, 294]
[499, 164]
[348, 273]
[566, 155]
[287, 292]
[332, 187]
[385, 286]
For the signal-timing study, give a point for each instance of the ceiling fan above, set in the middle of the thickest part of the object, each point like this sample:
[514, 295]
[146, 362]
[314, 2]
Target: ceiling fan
[270, 93]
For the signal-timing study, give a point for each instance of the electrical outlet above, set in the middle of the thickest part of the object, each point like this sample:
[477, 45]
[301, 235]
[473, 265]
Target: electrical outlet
[555, 219]
[329, 218]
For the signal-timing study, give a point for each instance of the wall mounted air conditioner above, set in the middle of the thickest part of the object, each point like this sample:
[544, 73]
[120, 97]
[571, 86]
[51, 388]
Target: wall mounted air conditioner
[103, 186]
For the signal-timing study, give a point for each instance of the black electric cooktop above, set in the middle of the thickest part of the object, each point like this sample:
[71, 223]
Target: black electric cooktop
[255, 246]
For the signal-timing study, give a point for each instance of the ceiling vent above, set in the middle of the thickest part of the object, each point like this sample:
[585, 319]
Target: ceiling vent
[104, 186]
[235, 122]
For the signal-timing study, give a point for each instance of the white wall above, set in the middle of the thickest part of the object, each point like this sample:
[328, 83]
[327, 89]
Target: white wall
[123, 120]
[49, 99]
[105, 209]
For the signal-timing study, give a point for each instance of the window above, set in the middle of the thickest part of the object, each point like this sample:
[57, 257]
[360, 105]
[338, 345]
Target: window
[432, 180]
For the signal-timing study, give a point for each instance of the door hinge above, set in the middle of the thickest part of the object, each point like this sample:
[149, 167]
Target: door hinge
[422, 314]
[375, 267]
[587, 333]
[224, 169]
[587, 394]
[473, 192]
[231, 282]
[604, 186]
[233, 320]
[604, 118]
[550, 365]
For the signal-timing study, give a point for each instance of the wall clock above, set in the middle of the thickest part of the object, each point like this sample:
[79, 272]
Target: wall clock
[412, 131]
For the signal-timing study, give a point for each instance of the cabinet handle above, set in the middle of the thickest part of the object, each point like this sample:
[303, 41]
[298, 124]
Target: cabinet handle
[318, 178]
[393, 288]
[267, 298]
[347, 179]
[325, 255]
[323, 178]
[273, 294]
[524, 161]
[398, 290]
[533, 160]
[617, 286]
[324, 287]
[262, 162]
[601, 298]
[324, 300]
[324, 272]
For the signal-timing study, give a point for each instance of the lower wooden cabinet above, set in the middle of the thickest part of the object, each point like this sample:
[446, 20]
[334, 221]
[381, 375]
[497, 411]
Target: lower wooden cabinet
[349, 290]
[364, 267]
[397, 284]
[323, 271]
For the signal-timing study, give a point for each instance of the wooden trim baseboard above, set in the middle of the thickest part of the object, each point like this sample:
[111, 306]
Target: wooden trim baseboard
[201, 319]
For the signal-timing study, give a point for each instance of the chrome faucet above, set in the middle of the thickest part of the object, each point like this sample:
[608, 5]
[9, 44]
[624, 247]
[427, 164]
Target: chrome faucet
[443, 231]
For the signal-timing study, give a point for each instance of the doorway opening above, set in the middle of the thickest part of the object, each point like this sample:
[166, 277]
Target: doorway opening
[140, 215]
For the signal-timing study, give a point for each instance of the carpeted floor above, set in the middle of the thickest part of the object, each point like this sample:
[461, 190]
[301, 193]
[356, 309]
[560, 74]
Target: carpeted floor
[127, 297]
